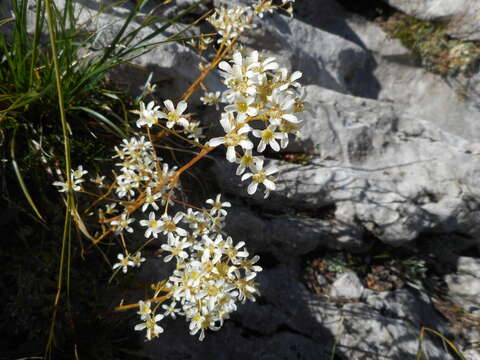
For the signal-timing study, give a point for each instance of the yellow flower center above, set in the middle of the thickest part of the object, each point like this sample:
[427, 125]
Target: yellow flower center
[233, 139]
[247, 160]
[169, 226]
[173, 116]
[242, 106]
[213, 290]
[259, 177]
[194, 275]
[267, 135]
[231, 253]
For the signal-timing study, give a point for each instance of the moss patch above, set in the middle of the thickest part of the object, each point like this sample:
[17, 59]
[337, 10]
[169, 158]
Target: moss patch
[431, 45]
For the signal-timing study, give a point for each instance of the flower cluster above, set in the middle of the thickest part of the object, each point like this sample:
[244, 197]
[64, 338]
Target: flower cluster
[264, 6]
[212, 273]
[151, 114]
[230, 22]
[76, 178]
[263, 104]
[129, 260]
[140, 170]
[260, 93]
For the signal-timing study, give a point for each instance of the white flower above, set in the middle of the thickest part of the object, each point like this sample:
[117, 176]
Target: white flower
[260, 65]
[260, 176]
[288, 80]
[198, 323]
[63, 186]
[243, 106]
[76, 180]
[249, 265]
[217, 206]
[268, 137]
[150, 200]
[230, 22]
[153, 330]
[175, 246]
[234, 254]
[110, 208]
[148, 115]
[124, 262]
[237, 77]
[247, 161]
[234, 137]
[169, 225]
[286, 128]
[246, 288]
[98, 180]
[264, 6]
[137, 259]
[194, 130]
[214, 289]
[77, 174]
[153, 225]
[174, 115]
[211, 98]
[123, 224]
[144, 309]
[170, 310]
[211, 249]
[125, 188]
[281, 107]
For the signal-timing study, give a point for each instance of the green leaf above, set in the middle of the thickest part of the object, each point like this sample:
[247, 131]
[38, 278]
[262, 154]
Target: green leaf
[20, 178]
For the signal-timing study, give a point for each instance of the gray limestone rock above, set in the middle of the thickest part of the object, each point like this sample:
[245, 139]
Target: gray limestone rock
[400, 80]
[382, 171]
[348, 286]
[462, 15]
[471, 354]
[464, 285]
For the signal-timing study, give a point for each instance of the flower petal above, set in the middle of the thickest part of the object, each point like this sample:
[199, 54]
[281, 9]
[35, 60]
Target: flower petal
[252, 188]
[169, 105]
[216, 141]
[181, 107]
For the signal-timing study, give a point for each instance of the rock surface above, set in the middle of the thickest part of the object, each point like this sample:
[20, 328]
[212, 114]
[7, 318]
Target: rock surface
[377, 170]
[399, 80]
[464, 285]
[462, 14]
[347, 286]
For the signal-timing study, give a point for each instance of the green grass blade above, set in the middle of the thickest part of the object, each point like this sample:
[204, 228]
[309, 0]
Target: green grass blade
[122, 30]
[450, 344]
[6, 21]
[103, 119]
[166, 26]
[20, 178]
[39, 18]
[50, 8]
